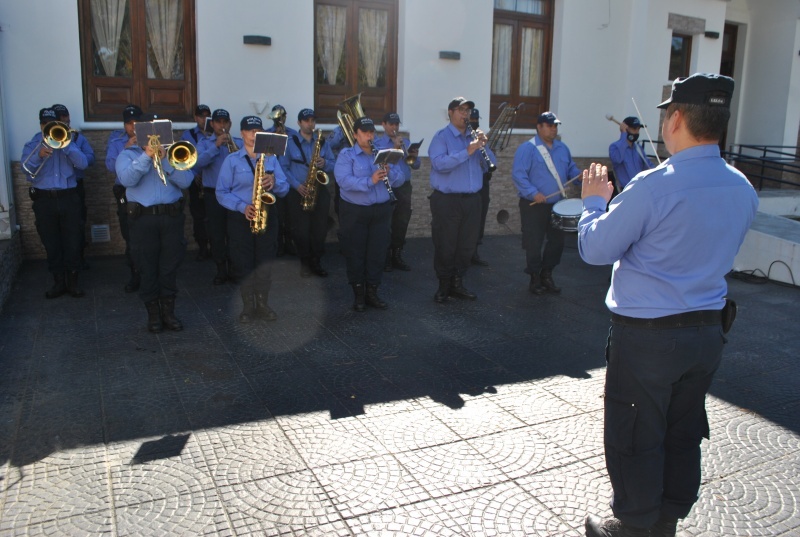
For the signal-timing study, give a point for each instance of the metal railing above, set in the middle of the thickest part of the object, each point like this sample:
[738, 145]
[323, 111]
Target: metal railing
[757, 161]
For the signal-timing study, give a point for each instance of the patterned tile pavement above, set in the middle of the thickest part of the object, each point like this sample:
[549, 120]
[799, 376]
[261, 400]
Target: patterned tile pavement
[466, 419]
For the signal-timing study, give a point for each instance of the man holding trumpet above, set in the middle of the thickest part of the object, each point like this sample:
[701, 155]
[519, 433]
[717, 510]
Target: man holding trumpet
[52, 172]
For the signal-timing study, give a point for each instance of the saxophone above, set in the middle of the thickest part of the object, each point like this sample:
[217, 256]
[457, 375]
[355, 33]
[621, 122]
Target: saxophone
[309, 201]
[261, 199]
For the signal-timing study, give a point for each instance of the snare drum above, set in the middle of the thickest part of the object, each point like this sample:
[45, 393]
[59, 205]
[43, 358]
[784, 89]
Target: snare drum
[566, 214]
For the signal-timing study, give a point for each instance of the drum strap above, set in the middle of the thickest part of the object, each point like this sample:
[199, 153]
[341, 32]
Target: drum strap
[548, 161]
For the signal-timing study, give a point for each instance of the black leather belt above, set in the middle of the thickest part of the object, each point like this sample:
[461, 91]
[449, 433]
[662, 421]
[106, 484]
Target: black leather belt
[56, 193]
[458, 194]
[163, 208]
[679, 320]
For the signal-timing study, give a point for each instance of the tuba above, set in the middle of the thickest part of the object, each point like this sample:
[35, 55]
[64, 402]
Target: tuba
[309, 201]
[349, 111]
[261, 199]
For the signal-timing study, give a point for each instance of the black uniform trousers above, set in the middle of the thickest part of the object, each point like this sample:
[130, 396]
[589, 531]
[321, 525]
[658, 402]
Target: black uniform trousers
[536, 228]
[59, 224]
[252, 254]
[197, 208]
[364, 231]
[122, 217]
[216, 225]
[655, 417]
[157, 246]
[454, 228]
[401, 215]
[84, 212]
[309, 228]
[484, 192]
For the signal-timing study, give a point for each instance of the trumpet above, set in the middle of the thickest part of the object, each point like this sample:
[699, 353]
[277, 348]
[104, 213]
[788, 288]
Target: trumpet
[55, 135]
[229, 143]
[261, 198]
[180, 155]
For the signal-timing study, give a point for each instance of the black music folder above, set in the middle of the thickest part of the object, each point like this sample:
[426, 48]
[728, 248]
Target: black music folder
[270, 143]
[388, 156]
[415, 145]
[158, 127]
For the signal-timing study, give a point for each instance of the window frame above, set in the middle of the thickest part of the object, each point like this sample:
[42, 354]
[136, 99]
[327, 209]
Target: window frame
[105, 96]
[686, 59]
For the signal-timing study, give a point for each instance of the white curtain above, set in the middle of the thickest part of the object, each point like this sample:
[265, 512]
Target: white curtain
[534, 7]
[107, 17]
[164, 25]
[501, 59]
[372, 27]
[530, 80]
[331, 25]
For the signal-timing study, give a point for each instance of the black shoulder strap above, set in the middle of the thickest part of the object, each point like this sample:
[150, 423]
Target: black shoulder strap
[300, 147]
[194, 135]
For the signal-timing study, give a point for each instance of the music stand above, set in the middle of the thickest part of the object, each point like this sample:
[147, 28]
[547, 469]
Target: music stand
[388, 156]
[270, 143]
[159, 127]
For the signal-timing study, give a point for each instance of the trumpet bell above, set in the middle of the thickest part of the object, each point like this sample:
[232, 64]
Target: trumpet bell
[182, 155]
[56, 134]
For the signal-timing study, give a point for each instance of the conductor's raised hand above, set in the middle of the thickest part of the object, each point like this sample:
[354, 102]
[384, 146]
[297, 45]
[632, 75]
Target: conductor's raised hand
[595, 182]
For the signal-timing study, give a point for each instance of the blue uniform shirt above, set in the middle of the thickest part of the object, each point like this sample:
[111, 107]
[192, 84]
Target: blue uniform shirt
[293, 164]
[60, 169]
[453, 170]
[116, 145]
[143, 185]
[338, 140]
[672, 234]
[210, 158]
[353, 171]
[626, 160]
[384, 142]
[86, 149]
[235, 181]
[531, 175]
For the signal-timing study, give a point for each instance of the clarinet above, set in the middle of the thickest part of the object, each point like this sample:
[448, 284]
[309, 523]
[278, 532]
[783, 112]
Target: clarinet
[489, 164]
[392, 197]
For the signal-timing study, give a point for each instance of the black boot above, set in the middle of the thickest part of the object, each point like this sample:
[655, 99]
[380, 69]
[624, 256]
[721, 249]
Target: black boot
[168, 314]
[263, 311]
[249, 310]
[222, 274]
[153, 316]
[612, 528]
[202, 252]
[397, 260]
[316, 268]
[388, 267]
[373, 300]
[72, 284]
[133, 284]
[458, 290]
[59, 286]
[443, 291]
[476, 260]
[359, 291]
[665, 527]
[547, 281]
[536, 286]
[305, 267]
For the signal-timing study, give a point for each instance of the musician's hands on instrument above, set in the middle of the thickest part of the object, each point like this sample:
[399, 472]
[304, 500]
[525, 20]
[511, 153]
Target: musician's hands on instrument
[475, 145]
[151, 153]
[250, 212]
[595, 182]
[413, 152]
[302, 190]
[131, 142]
[539, 198]
[268, 181]
[379, 175]
[45, 151]
[319, 162]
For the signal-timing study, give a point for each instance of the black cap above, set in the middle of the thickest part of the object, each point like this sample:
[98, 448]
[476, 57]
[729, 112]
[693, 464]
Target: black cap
[220, 113]
[132, 113]
[305, 113]
[60, 110]
[707, 89]
[548, 117]
[202, 109]
[47, 115]
[632, 121]
[458, 101]
[475, 114]
[249, 123]
[391, 117]
[364, 123]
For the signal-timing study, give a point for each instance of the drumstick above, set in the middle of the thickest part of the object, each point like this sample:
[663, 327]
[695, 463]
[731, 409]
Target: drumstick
[652, 145]
[558, 191]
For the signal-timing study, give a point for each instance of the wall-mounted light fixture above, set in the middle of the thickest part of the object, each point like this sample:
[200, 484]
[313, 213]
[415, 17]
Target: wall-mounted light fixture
[712, 35]
[449, 55]
[257, 40]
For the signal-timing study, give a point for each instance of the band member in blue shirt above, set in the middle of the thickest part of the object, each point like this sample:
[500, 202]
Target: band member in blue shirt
[252, 253]
[197, 206]
[212, 152]
[457, 166]
[627, 156]
[671, 236]
[57, 206]
[365, 214]
[155, 219]
[475, 121]
[401, 215]
[309, 228]
[286, 243]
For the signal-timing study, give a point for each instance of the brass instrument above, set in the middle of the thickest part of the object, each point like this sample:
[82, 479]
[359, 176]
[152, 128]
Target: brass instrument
[278, 118]
[230, 143]
[261, 199]
[181, 155]
[55, 135]
[349, 111]
[314, 176]
[500, 132]
[490, 167]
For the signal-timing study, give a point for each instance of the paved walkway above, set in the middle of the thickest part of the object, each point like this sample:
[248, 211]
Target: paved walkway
[471, 418]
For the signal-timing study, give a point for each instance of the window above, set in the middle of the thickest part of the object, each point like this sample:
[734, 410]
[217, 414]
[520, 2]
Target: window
[140, 52]
[680, 56]
[521, 57]
[355, 43]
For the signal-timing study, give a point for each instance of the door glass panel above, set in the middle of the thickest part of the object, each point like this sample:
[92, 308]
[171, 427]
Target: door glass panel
[164, 21]
[331, 28]
[533, 7]
[372, 29]
[501, 59]
[111, 38]
[530, 79]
